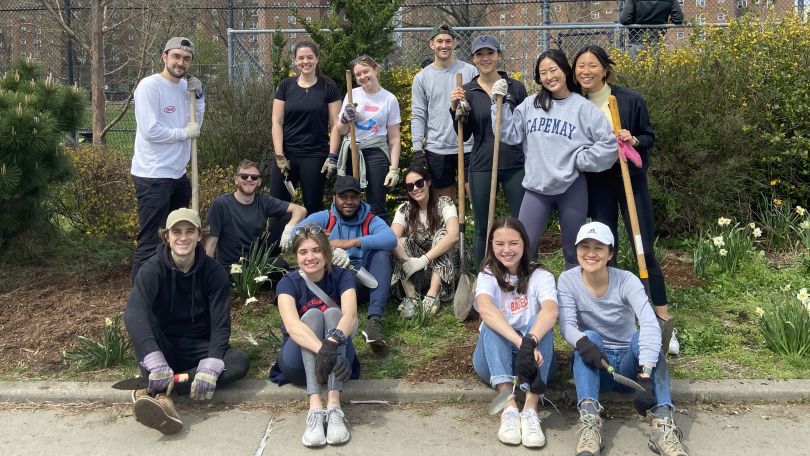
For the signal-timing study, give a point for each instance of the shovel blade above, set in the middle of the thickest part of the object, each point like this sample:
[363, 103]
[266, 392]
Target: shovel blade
[290, 188]
[136, 383]
[366, 278]
[621, 379]
[500, 401]
[465, 293]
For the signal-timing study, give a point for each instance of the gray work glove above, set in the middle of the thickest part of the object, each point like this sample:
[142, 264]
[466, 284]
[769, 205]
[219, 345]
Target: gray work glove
[192, 130]
[340, 258]
[499, 88]
[463, 110]
[205, 381]
[195, 85]
[330, 165]
[392, 178]
[349, 114]
[160, 374]
[286, 238]
[415, 264]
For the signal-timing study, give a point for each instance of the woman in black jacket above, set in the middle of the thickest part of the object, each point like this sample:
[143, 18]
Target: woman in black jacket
[486, 54]
[593, 69]
[178, 317]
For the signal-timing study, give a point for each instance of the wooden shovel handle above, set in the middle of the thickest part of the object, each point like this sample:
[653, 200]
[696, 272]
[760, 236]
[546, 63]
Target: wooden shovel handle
[352, 133]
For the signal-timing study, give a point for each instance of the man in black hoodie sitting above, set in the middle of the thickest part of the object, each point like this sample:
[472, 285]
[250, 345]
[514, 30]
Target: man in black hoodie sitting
[178, 316]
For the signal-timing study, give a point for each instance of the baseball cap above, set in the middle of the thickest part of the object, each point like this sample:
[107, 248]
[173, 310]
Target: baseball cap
[442, 28]
[595, 230]
[346, 183]
[486, 41]
[179, 42]
[183, 215]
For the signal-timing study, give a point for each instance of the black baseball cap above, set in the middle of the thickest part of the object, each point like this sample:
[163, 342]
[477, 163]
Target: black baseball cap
[346, 183]
[442, 29]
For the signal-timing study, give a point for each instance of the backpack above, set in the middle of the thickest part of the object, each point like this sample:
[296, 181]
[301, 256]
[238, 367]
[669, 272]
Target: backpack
[333, 220]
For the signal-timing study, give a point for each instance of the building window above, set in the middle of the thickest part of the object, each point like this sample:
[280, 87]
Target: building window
[292, 35]
[700, 3]
[680, 35]
[742, 3]
[291, 20]
[699, 19]
[594, 14]
[215, 38]
[608, 11]
[253, 38]
[557, 8]
[503, 17]
[23, 42]
[277, 19]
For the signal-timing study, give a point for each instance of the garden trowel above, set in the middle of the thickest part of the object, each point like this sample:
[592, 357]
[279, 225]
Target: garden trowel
[621, 378]
[136, 383]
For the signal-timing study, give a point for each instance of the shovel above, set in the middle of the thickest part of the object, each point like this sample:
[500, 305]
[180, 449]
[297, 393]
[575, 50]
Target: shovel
[289, 186]
[493, 183]
[506, 395]
[365, 277]
[195, 174]
[142, 382]
[462, 302]
[621, 379]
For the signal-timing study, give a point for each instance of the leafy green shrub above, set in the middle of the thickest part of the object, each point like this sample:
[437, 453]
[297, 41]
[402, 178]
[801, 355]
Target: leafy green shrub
[785, 323]
[110, 351]
[700, 339]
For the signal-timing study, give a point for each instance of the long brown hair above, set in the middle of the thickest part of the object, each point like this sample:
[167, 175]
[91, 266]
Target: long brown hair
[434, 220]
[498, 270]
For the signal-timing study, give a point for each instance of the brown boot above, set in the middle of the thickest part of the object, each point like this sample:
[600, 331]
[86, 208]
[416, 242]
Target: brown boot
[138, 393]
[157, 413]
[666, 438]
[590, 434]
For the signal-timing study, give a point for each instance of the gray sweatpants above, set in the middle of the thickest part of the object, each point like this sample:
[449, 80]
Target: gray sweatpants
[572, 205]
[321, 323]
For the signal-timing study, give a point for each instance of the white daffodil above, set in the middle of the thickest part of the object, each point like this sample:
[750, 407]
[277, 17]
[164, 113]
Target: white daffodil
[803, 296]
[260, 279]
[723, 252]
[786, 287]
[718, 241]
[752, 225]
[722, 221]
[108, 321]
[759, 311]
[805, 225]
[800, 210]
[757, 232]
[251, 300]
[236, 268]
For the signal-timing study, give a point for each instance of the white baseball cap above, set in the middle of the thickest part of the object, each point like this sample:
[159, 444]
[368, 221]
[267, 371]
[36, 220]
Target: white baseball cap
[595, 230]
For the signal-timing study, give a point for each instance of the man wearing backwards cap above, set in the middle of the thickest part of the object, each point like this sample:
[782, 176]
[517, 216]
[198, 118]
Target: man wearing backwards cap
[163, 143]
[599, 306]
[435, 141]
[178, 317]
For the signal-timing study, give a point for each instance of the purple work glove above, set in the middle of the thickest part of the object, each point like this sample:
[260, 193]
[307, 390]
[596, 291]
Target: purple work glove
[160, 374]
[205, 380]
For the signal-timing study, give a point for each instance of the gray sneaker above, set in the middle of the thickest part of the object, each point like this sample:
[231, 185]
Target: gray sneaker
[314, 435]
[590, 434]
[430, 305]
[374, 331]
[406, 309]
[665, 438]
[336, 431]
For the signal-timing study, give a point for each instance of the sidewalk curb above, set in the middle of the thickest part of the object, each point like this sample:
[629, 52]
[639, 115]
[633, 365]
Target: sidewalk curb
[683, 391]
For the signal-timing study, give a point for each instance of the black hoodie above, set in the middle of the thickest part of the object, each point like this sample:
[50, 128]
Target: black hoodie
[161, 299]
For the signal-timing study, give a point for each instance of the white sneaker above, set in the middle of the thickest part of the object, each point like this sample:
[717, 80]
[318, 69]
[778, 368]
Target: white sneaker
[509, 432]
[533, 436]
[314, 435]
[336, 431]
[674, 346]
[407, 308]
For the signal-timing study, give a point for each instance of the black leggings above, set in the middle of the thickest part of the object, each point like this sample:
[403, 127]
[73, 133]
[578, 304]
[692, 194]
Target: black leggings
[305, 174]
[605, 196]
[511, 181]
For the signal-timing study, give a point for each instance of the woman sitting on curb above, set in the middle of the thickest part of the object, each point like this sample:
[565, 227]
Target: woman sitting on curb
[599, 306]
[426, 256]
[318, 308]
[517, 302]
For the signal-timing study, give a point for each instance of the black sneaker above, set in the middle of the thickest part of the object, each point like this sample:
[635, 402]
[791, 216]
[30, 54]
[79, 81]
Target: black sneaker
[374, 331]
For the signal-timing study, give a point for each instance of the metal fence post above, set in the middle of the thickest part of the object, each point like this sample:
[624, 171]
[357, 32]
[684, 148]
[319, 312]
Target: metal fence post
[230, 56]
[546, 21]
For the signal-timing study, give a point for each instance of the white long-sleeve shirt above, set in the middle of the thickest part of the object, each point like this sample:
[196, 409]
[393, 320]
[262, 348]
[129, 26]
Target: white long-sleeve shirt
[161, 112]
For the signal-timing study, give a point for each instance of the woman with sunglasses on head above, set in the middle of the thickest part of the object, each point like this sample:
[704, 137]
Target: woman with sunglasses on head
[304, 107]
[318, 308]
[563, 135]
[517, 301]
[594, 71]
[375, 114]
[426, 260]
[486, 54]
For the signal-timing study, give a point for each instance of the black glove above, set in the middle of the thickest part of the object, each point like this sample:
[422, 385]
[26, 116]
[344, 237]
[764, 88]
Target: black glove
[538, 386]
[590, 352]
[419, 159]
[644, 400]
[342, 370]
[526, 367]
[325, 361]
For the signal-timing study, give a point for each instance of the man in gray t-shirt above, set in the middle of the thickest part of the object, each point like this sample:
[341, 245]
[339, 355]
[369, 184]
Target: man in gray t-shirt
[435, 141]
[237, 219]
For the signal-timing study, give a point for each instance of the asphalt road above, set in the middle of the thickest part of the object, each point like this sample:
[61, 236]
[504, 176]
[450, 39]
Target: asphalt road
[425, 429]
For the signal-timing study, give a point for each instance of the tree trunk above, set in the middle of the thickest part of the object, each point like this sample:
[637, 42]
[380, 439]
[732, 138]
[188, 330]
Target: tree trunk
[97, 70]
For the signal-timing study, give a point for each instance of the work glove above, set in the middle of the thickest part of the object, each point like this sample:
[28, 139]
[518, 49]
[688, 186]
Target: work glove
[538, 386]
[415, 264]
[194, 85]
[499, 88]
[192, 130]
[349, 114]
[286, 238]
[526, 366]
[342, 369]
[590, 352]
[340, 258]
[283, 164]
[419, 159]
[205, 381]
[628, 152]
[462, 110]
[160, 374]
[644, 400]
[325, 360]
[330, 165]
[392, 178]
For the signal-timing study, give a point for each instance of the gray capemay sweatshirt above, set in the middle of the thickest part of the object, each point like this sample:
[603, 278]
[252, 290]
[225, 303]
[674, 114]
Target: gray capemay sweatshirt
[572, 137]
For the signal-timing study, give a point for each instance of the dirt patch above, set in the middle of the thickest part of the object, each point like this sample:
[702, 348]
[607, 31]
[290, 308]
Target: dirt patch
[456, 363]
[678, 272]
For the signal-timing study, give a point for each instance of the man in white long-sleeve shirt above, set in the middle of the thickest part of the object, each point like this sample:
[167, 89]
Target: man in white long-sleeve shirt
[163, 143]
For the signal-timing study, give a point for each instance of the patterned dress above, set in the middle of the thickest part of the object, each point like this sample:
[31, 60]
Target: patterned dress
[446, 265]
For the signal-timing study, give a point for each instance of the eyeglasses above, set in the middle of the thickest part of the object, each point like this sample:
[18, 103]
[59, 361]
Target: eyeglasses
[252, 177]
[418, 184]
[363, 58]
[308, 229]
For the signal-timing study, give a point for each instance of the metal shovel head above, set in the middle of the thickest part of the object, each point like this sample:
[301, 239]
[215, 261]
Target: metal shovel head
[500, 401]
[289, 186]
[142, 382]
[366, 278]
[465, 293]
[621, 379]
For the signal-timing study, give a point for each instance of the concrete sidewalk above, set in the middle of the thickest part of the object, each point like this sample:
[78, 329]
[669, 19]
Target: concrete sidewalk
[683, 391]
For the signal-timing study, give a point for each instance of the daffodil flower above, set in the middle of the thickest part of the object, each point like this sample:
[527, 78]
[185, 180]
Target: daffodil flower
[722, 221]
[786, 287]
[777, 202]
[757, 232]
[260, 279]
[752, 225]
[108, 321]
[723, 252]
[759, 311]
[718, 241]
[805, 225]
[236, 268]
[800, 210]
[251, 300]
[803, 296]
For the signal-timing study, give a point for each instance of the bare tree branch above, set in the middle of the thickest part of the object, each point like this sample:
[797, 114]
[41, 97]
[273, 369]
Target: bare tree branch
[56, 14]
[121, 67]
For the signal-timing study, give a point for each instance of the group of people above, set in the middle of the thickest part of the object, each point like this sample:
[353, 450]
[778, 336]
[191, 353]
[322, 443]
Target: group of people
[558, 151]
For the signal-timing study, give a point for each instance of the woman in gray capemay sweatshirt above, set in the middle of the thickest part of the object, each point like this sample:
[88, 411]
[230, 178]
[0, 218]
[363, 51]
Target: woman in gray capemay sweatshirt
[563, 135]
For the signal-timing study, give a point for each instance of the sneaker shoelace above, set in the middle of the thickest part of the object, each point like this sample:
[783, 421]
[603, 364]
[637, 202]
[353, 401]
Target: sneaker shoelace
[315, 419]
[672, 435]
[589, 429]
[511, 419]
[533, 421]
[336, 416]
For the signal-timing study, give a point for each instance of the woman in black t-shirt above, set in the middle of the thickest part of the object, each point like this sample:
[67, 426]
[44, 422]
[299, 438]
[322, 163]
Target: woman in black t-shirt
[304, 107]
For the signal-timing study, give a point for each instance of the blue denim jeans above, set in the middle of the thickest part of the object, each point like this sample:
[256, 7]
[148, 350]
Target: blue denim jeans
[494, 356]
[378, 263]
[590, 381]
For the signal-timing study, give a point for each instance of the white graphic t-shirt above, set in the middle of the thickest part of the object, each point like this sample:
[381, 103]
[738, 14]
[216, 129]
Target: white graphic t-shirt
[375, 112]
[518, 309]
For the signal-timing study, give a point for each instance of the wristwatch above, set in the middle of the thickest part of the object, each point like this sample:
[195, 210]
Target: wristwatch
[647, 370]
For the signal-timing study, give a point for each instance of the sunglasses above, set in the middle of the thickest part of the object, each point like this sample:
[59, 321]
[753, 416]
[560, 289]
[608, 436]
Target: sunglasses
[362, 58]
[418, 184]
[252, 177]
[308, 229]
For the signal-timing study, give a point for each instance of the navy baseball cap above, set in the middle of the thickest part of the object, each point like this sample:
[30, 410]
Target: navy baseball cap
[486, 41]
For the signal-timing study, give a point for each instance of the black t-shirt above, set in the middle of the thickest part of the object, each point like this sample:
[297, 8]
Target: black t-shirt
[238, 225]
[306, 116]
[333, 283]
